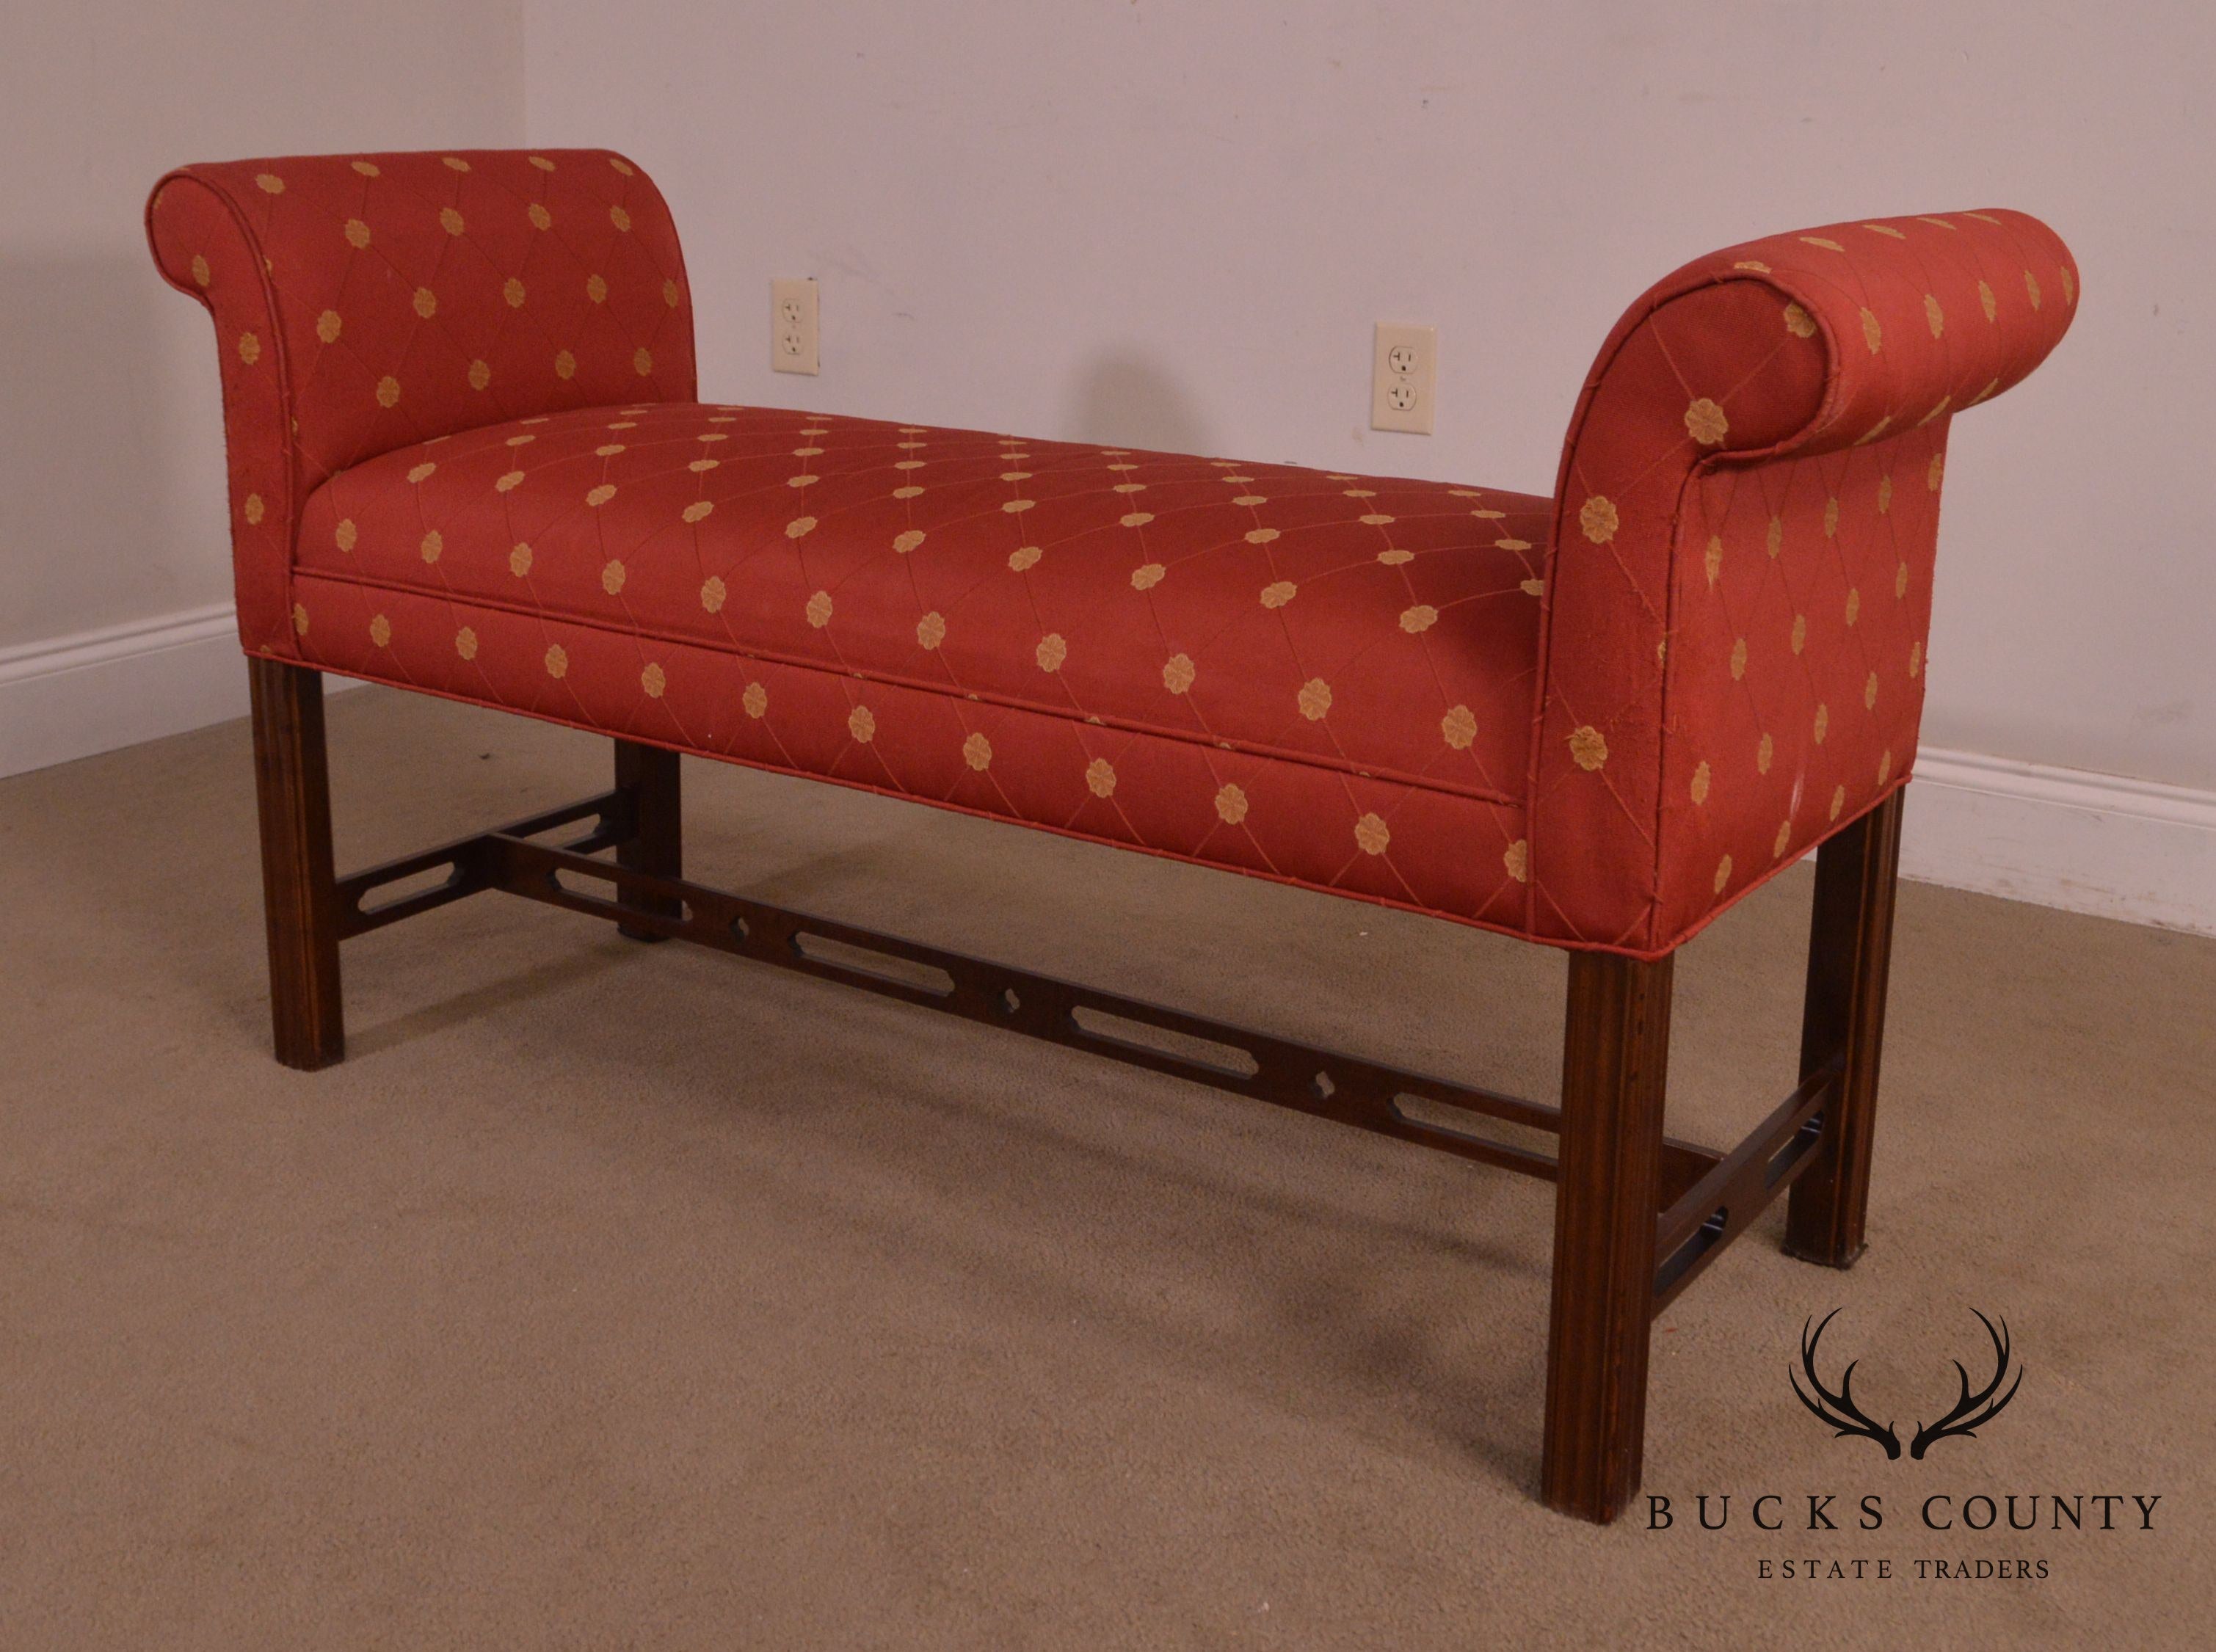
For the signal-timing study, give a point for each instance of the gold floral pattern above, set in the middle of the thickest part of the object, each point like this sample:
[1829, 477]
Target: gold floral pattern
[1705, 422]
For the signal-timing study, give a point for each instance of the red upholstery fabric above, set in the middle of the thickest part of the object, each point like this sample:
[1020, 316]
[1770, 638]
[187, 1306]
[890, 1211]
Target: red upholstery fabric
[1367, 626]
[1741, 584]
[477, 470]
[1262, 665]
[363, 302]
[1406, 845]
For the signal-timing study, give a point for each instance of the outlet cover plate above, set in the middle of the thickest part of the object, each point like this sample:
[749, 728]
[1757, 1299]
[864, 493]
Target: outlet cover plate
[1403, 378]
[793, 340]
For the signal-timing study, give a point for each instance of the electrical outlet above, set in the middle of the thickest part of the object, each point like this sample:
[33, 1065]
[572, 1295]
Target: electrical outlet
[1403, 378]
[792, 335]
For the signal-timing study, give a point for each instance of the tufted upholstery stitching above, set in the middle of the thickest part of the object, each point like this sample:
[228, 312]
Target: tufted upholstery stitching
[1299, 646]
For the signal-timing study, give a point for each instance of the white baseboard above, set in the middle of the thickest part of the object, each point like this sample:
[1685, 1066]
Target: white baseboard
[2134, 850]
[71, 697]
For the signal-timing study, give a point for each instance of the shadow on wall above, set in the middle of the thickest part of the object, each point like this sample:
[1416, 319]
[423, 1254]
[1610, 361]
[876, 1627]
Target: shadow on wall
[1125, 401]
[83, 520]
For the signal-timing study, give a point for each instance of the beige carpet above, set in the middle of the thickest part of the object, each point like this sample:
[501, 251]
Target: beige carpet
[617, 1296]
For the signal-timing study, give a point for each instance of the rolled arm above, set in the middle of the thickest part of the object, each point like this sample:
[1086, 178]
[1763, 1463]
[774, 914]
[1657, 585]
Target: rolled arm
[364, 303]
[203, 247]
[1739, 588]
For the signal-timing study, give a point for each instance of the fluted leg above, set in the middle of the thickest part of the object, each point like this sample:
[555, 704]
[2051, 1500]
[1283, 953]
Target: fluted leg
[651, 775]
[1849, 947]
[299, 907]
[1615, 1061]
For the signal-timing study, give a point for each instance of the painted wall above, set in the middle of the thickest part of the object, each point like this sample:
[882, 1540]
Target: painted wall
[1174, 223]
[111, 446]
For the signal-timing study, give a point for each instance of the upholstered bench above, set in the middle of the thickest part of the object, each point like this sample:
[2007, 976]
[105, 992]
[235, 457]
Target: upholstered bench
[466, 457]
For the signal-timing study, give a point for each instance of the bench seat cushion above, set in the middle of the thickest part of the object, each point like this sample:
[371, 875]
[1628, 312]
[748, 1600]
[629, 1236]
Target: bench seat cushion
[1316, 677]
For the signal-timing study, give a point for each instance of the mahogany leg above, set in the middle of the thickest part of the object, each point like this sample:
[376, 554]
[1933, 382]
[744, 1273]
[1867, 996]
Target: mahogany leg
[657, 846]
[1849, 945]
[1615, 1061]
[292, 781]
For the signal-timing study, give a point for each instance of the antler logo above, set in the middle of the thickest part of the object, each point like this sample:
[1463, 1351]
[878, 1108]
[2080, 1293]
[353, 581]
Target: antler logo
[1839, 1410]
[1972, 1411]
[1969, 1412]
